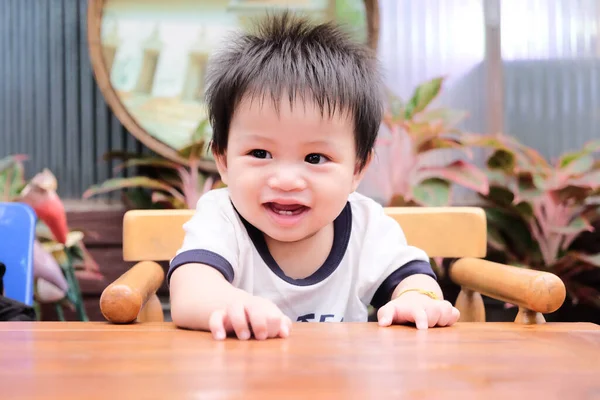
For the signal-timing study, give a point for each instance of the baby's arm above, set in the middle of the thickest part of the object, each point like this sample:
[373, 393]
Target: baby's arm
[399, 280]
[202, 299]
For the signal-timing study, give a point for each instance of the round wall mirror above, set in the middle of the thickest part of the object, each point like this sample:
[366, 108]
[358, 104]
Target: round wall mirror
[149, 58]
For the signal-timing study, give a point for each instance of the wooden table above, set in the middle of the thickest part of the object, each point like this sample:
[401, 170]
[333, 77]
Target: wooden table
[73, 360]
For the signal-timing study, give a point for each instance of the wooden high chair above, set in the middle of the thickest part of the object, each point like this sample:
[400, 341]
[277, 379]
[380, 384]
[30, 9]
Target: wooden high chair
[452, 232]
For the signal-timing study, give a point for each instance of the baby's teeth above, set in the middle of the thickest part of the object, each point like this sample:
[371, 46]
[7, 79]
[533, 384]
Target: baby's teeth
[284, 212]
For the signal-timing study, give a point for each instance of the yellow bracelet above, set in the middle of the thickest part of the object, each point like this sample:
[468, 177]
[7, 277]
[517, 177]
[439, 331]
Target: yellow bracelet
[428, 293]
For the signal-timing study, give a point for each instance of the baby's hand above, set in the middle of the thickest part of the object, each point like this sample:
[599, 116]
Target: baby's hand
[254, 315]
[418, 308]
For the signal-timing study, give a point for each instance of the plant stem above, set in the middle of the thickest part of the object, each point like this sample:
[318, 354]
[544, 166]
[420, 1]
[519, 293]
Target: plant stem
[75, 285]
[59, 312]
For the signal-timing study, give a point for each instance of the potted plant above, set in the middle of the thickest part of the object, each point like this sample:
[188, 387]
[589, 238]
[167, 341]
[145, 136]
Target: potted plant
[427, 157]
[60, 258]
[421, 157]
[159, 182]
[537, 209]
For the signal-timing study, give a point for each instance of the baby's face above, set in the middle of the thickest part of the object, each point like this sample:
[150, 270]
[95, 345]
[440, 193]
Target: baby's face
[289, 173]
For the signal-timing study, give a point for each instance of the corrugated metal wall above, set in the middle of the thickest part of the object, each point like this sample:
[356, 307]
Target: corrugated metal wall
[50, 106]
[550, 49]
[423, 39]
[552, 72]
[553, 105]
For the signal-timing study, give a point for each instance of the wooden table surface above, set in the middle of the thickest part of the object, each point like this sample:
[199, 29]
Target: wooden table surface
[74, 360]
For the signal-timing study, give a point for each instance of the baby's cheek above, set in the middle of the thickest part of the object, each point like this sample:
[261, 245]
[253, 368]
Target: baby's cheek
[248, 184]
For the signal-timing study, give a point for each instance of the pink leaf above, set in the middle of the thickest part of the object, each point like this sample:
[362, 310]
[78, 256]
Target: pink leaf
[590, 180]
[403, 161]
[442, 157]
[45, 266]
[208, 184]
[591, 259]
[461, 173]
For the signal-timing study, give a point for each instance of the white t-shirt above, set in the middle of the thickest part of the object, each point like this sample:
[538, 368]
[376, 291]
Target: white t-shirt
[369, 257]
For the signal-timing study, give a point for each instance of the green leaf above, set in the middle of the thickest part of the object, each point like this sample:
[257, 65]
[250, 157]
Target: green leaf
[148, 162]
[12, 160]
[396, 107]
[76, 253]
[577, 225]
[422, 96]
[432, 192]
[111, 185]
[448, 117]
[525, 188]
[138, 198]
[478, 140]
[160, 199]
[498, 178]
[500, 195]
[578, 165]
[424, 144]
[119, 154]
[502, 159]
[12, 177]
[201, 131]
[519, 240]
[495, 239]
[525, 209]
[196, 150]
[588, 149]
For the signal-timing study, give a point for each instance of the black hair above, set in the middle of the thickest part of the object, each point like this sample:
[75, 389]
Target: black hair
[291, 55]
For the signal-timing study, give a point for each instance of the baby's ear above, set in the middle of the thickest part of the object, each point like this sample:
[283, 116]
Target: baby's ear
[221, 161]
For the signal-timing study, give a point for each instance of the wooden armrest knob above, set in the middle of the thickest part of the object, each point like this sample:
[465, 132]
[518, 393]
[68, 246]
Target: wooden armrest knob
[538, 291]
[122, 300]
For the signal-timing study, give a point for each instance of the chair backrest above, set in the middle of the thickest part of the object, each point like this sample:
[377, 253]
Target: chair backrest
[17, 234]
[455, 232]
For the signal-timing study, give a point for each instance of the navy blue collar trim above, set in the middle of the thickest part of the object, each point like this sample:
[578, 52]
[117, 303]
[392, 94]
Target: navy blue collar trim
[342, 228]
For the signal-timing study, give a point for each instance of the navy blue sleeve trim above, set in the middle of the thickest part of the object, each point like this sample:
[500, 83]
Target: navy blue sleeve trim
[384, 292]
[201, 257]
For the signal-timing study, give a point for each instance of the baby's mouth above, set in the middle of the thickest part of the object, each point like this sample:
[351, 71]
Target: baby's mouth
[286, 209]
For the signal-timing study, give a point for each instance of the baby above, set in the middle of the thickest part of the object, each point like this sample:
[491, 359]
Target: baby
[295, 111]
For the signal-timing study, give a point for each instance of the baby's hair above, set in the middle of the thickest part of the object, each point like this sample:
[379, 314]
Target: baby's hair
[291, 55]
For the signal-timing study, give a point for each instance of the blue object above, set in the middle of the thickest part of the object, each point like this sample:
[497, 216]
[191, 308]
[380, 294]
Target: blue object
[17, 234]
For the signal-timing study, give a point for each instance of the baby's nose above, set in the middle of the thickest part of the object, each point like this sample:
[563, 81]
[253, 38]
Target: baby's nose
[286, 179]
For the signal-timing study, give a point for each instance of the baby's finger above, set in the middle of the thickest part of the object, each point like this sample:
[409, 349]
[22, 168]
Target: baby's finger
[286, 327]
[274, 319]
[258, 321]
[420, 317]
[433, 313]
[455, 316]
[386, 314]
[239, 322]
[216, 323]
[445, 313]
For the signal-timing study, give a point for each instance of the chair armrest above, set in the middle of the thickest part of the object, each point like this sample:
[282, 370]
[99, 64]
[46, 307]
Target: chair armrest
[529, 289]
[122, 300]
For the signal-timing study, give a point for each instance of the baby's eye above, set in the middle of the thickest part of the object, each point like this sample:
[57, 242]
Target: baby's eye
[315, 158]
[258, 153]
